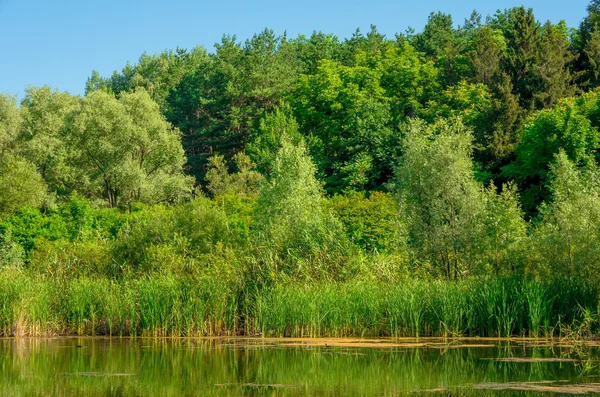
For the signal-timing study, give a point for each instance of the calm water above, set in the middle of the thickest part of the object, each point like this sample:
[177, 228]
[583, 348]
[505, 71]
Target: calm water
[192, 367]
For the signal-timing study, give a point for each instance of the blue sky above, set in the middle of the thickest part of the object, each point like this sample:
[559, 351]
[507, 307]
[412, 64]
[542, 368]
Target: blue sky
[59, 43]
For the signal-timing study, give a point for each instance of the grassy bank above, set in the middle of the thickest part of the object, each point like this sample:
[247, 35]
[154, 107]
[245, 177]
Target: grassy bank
[162, 305]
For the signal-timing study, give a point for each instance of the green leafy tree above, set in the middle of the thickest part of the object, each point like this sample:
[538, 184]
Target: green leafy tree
[311, 50]
[344, 111]
[10, 123]
[566, 127]
[127, 151]
[243, 182]
[408, 78]
[553, 65]
[488, 49]
[523, 39]
[373, 222]
[296, 233]
[569, 227]
[20, 185]
[157, 74]
[217, 105]
[442, 43]
[437, 188]
[591, 52]
[586, 43]
[266, 139]
[505, 230]
[43, 137]
[506, 118]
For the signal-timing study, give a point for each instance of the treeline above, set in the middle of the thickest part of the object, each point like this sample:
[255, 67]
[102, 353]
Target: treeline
[450, 153]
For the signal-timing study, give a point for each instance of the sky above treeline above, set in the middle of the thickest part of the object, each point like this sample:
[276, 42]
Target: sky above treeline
[59, 43]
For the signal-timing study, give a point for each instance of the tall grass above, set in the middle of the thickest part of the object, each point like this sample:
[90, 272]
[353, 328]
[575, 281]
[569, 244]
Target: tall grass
[166, 305]
[476, 307]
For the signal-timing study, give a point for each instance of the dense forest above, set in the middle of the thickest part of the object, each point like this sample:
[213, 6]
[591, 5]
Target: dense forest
[440, 182]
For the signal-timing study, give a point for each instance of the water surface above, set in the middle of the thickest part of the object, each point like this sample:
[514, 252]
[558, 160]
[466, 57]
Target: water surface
[293, 367]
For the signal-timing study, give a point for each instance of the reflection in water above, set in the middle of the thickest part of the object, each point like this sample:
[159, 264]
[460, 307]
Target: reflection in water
[200, 367]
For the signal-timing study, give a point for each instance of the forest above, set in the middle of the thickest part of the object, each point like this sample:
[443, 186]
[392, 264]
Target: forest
[445, 182]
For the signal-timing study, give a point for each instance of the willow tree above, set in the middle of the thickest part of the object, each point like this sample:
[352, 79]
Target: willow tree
[504, 238]
[126, 151]
[443, 201]
[20, 185]
[10, 121]
[296, 233]
[569, 228]
[42, 138]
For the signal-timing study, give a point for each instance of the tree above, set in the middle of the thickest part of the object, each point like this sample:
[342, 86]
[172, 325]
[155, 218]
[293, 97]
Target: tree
[444, 45]
[552, 67]
[408, 78]
[20, 185]
[43, 138]
[569, 227]
[310, 50]
[487, 53]
[523, 40]
[586, 42]
[506, 117]
[475, 104]
[505, 230]
[244, 182]
[591, 52]
[437, 188]
[265, 141]
[157, 74]
[297, 234]
[567, 127]
[126, 151]
[344, 112]
[217, 105]
[10, 123]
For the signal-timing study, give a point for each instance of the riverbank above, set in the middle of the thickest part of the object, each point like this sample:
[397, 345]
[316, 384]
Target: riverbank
[165, 305]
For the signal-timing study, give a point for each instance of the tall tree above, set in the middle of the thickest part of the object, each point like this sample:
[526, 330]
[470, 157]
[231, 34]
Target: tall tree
[43, 141]
[523, 40]
[126, 151]
[488, 49]
[443, 201]
[553, 66]
[567, 126]
[10, 123]
[218, 105]
[297, 234]
[444, 45]
[20, 185]
[569, 228]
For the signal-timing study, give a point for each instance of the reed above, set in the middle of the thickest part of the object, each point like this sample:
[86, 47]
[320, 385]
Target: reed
[166, 305]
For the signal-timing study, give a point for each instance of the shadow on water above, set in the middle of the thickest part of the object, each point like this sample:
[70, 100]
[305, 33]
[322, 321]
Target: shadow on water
[295, 367]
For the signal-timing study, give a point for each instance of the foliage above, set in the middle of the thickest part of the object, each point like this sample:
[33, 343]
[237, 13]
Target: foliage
[569, 224]
[567, 126]
[243, 182]
[296, 233]
[20, 185]
[437, 188]
[372, 222]
[127, 151]
[344, 180]
[42, 139]
[10, 122]
[505, 230]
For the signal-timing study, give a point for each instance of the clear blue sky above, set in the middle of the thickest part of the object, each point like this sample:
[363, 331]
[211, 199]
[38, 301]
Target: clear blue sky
[59, 43]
